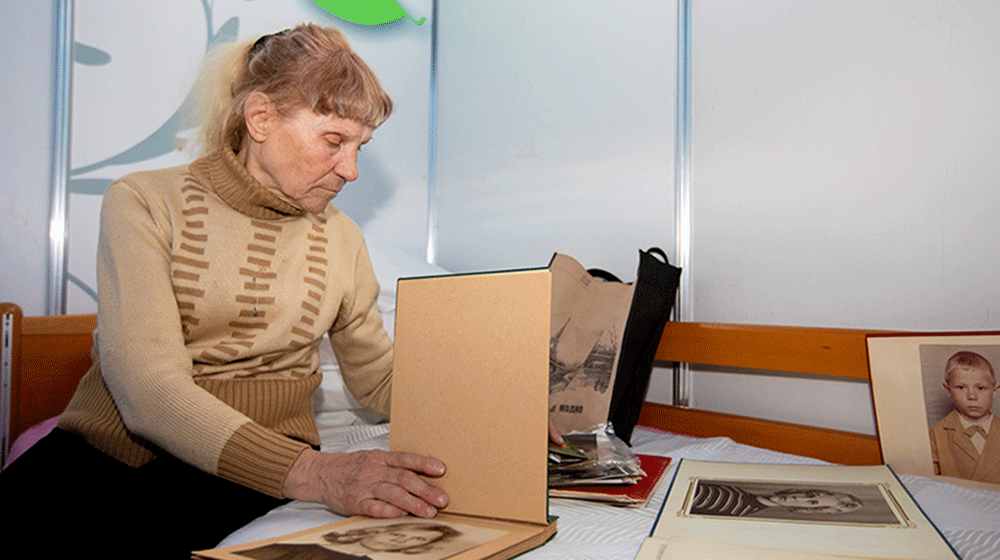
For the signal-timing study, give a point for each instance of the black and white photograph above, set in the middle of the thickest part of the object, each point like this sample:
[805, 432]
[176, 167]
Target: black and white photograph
[799, 502]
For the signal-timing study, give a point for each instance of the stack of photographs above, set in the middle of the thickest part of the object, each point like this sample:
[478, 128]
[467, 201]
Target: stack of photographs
[581, 460]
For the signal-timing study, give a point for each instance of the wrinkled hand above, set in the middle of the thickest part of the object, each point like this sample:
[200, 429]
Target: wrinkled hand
[372, 483]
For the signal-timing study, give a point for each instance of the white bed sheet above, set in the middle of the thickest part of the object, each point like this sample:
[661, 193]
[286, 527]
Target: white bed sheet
[969, 519]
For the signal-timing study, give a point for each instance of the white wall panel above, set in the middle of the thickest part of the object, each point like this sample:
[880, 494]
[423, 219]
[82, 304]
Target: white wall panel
[844, 163]
[26, 121]
[555, 132]
[844, 174]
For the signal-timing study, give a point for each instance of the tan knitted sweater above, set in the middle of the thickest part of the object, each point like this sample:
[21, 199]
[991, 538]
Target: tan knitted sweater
[214, 295]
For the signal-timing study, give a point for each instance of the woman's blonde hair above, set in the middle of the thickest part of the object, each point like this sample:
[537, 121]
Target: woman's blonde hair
[307, 67]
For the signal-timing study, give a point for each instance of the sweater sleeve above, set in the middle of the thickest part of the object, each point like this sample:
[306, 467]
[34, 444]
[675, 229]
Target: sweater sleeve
[146, 365]
[360, 343]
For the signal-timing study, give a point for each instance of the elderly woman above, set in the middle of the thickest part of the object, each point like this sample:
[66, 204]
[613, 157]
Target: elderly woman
[217, 281]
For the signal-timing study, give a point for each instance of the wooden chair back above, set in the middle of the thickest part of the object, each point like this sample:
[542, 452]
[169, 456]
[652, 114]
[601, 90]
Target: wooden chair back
[820, 351]
[44, 359]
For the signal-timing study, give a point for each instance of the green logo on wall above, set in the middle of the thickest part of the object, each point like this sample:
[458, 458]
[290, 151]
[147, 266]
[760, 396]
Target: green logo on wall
[366, 12]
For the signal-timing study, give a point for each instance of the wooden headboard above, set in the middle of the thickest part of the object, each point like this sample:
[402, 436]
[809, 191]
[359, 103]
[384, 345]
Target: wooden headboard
[47, 358]
[54, 352]
[820, 351]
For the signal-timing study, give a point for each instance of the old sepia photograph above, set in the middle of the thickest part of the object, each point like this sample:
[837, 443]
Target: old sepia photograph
[936, 403]
[377, 539]
[960, 389]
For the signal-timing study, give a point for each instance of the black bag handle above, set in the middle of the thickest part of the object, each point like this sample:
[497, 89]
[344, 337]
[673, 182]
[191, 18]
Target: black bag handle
[660, 252]
[602, 274]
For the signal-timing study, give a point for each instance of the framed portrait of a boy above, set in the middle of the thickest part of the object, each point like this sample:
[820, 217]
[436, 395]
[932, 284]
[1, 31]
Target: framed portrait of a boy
[936, 405]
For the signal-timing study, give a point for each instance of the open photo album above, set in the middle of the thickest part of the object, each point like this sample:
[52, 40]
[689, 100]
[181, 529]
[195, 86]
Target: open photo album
[758, 511]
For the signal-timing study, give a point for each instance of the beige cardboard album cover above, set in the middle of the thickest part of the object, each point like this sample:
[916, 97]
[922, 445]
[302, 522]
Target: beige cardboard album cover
[470, 387]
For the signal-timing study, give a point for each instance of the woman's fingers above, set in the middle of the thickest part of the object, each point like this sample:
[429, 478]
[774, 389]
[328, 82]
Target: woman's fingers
[372, 483]
[415, 462]
[398, 486]
[554, 435]
[407, 465]
[374, 507]
[393, 500]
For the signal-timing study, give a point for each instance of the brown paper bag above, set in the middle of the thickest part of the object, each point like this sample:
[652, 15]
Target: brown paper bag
[588, 323]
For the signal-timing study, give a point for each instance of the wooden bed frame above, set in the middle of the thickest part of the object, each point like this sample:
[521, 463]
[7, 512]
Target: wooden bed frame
[831, 352]
[43, 360]
[49, 355]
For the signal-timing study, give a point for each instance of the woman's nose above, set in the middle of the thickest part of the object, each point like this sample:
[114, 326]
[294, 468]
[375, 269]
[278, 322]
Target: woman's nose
[347, 167]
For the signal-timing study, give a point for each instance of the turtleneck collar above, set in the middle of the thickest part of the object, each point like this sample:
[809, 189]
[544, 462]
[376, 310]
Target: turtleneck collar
[224, 175]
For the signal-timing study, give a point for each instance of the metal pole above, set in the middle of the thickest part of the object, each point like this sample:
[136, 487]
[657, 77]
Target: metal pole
[432, 207]
[6, 381]
[682, 192]
[62, 81]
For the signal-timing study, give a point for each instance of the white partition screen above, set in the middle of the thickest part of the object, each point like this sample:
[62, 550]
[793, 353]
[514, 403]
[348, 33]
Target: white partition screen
[844, 174]
[555, 132]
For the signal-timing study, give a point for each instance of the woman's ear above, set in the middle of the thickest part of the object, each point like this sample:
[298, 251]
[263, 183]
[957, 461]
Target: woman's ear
[259, 113]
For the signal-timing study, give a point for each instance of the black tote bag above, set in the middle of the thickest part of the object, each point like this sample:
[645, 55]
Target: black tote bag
[652, 303]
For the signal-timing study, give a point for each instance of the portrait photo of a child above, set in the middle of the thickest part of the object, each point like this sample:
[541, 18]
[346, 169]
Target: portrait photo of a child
[960, 390]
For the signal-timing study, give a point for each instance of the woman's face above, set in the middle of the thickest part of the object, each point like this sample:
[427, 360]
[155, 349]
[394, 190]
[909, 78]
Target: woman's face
[308, 158]
[400, 539]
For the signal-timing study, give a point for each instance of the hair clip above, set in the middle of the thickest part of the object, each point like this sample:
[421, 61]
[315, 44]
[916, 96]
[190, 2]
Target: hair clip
[259, 43]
